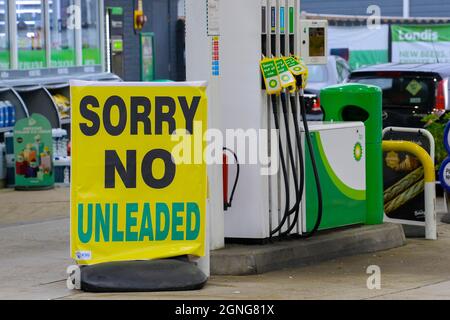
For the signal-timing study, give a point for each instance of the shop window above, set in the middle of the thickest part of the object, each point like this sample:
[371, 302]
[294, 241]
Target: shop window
[90, 32]
[30, 34]
[62, 35]
[4, 37]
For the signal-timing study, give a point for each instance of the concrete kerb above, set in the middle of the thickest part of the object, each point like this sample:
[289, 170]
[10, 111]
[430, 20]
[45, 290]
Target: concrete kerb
[257, 259]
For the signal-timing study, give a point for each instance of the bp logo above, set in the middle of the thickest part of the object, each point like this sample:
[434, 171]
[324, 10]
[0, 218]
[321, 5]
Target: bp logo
[273, 83]
[285, 78]
[358, 151]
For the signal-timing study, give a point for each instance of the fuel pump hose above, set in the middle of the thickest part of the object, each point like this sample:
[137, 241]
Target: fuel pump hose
[300, 159]
[291, 152]
[236, 179]
[314, 166]
[283, 167]
[298, 190]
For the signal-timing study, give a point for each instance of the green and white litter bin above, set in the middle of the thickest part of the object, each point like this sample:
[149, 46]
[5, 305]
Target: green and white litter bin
[357, 102]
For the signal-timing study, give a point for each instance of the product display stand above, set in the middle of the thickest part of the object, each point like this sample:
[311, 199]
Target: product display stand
[8, 94]
[36, 92]
[64, 90]
[39, 100]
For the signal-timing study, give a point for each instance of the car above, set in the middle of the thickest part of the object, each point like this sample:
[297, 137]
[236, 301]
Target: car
[410, 91]
[336, 71]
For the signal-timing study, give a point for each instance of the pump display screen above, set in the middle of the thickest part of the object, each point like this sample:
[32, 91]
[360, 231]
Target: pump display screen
[317, 42]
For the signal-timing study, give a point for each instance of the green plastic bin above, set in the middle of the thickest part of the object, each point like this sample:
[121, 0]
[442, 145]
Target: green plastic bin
[357, 102]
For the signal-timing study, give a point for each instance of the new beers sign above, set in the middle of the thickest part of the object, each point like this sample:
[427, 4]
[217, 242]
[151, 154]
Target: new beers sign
[421, 43]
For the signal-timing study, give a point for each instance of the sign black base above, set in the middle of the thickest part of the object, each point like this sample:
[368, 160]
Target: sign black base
[142, 276]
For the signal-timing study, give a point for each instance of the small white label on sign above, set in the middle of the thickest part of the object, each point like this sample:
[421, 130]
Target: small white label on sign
[213, 17]
[84, 255]
[31, 122]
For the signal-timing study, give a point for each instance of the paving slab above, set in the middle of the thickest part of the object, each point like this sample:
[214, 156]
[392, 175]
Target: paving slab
[21, 207]
[34, 255]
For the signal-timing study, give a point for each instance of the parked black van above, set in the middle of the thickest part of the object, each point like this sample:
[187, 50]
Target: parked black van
[410, 91]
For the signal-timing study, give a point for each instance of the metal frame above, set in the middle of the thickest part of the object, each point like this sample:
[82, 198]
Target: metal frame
[107, 45]
[426, 133]
[427, 161]
[103, 44]
[78, 40]
[46, 18]
[12, 29]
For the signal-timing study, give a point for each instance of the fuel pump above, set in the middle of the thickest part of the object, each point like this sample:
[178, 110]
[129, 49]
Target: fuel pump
[283, 19]
[286, 76]
[285, 201]
[282, 42]
[290, 20]
[292, 77]
[279, 40]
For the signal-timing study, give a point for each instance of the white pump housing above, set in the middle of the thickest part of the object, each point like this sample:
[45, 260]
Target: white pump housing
[225, 41]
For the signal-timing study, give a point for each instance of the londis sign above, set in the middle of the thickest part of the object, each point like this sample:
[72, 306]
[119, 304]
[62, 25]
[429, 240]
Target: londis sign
[129, 198]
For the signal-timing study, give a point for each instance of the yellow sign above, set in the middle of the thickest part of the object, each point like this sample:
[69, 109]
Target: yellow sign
[414, 87]
[130, 198]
